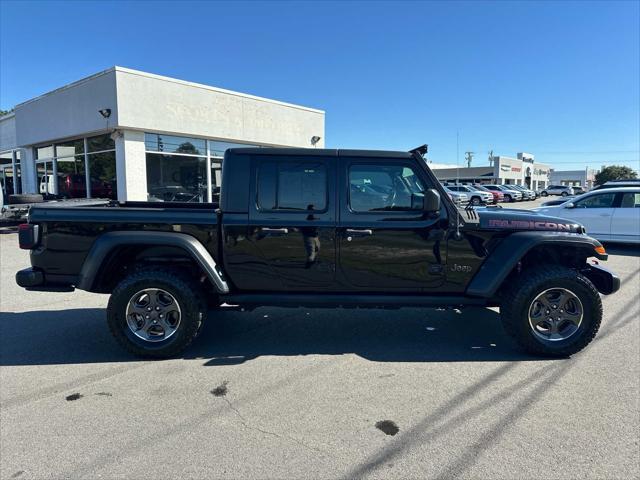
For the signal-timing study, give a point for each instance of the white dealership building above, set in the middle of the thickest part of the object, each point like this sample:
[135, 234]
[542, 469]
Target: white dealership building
[132, 135]
[521, 170]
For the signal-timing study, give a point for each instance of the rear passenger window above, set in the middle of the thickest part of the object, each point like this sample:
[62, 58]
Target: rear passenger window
[630, 200]
[292, 186]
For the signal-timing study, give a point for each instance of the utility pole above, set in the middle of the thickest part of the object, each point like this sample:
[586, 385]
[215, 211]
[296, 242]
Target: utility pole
[491, 158]
[468, 157]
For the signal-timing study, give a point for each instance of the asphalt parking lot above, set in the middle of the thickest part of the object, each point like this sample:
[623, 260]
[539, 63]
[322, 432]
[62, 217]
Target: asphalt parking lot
[298, 393]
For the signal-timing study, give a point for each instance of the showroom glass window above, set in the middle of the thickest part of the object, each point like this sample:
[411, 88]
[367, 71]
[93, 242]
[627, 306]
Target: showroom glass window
[71, 173]
[44, 170]
[10, 172]
[292, 186]
[176, 168]
[101, 159]
[78, 168]
[374, 188]
[6, 172]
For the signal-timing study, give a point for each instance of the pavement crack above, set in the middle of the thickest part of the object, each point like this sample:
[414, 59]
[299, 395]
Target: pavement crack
[245, 423]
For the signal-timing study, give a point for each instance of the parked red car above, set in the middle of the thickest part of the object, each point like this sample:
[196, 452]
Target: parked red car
[73, 185]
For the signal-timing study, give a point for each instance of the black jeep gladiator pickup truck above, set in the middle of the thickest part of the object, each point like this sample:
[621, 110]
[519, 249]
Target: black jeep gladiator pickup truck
[319, 228]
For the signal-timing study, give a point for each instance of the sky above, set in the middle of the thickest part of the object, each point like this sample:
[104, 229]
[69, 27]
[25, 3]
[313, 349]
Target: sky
[557, 79]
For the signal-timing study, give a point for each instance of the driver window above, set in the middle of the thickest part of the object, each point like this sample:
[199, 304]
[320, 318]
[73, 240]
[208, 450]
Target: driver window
[374, 188]
[603, 200]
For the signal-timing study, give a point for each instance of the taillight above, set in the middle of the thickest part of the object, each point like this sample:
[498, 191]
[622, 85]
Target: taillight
[28, 236]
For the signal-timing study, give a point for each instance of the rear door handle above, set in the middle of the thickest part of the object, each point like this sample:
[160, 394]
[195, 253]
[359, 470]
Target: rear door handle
[275, 231]
[352, 232]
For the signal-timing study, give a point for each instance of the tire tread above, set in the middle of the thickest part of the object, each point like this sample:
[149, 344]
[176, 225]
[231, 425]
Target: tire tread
[515, 300]
[187, 287]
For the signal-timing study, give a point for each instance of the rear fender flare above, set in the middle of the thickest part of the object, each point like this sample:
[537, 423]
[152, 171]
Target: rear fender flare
[504, 258]
[108, 241]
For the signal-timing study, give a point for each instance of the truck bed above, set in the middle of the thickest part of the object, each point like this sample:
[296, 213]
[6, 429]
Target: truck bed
[68, 232]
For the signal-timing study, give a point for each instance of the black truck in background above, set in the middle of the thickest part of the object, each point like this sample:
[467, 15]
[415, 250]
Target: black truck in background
[319, 228]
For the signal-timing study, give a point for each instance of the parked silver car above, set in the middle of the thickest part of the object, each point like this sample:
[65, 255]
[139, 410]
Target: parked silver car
[510, 195]
[563, 190]
[526, 193]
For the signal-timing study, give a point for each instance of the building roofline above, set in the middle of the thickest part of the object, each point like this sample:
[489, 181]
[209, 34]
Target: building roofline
[168, 79]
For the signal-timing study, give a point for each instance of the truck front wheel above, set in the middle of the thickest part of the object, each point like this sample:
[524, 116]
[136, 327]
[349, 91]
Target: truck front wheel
[552, 311]
[156, 313]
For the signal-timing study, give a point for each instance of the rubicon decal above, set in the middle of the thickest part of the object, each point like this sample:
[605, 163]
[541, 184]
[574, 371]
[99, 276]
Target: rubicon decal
[529, 225]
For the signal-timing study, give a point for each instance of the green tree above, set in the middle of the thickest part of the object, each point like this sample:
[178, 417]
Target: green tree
[4, 112]
[614, 172]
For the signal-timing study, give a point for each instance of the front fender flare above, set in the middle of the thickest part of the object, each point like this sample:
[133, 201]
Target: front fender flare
[108, 241]
[502, 260]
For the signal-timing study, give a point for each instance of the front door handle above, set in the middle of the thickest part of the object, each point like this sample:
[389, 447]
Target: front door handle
[275, 231]
[352, 232]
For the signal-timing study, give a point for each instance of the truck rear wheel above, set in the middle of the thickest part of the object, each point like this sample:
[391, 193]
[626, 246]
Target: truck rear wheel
[554, 311]
[156, 313]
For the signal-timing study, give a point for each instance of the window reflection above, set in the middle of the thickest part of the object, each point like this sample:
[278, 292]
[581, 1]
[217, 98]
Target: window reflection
[155, 142]
[102, 169]
[44, 152]
[71, 178]
[71, 148]
[44, 171]
[176, 178]
[100, 143]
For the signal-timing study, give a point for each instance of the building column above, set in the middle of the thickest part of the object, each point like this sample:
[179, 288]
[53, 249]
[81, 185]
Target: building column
[28, 171]
[131, 166]
[16, 187]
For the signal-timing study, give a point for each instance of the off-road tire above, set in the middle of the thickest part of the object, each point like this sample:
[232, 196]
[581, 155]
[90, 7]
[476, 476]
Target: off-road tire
[186, 291]
[24, 198]
[517, 299]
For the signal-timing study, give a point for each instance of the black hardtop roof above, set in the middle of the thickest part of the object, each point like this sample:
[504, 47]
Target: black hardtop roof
[317, 152]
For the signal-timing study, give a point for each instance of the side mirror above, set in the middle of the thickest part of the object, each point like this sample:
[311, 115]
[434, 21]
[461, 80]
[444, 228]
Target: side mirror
[417, 201]
[431, 201]
[570, 205]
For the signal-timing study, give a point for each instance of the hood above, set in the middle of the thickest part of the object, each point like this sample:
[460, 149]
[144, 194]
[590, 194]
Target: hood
[512, 219]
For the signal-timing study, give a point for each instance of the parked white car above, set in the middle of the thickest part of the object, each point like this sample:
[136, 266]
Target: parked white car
[510, 195]
[610, 215]
[476, 197]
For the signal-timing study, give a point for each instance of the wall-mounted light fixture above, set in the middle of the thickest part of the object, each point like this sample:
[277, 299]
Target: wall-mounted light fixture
[314, 140]
[105, 112]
